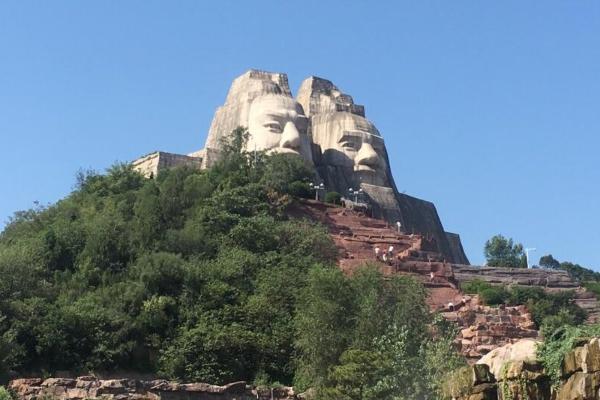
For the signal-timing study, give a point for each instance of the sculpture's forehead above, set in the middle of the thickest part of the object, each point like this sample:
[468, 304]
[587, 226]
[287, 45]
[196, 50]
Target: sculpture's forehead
[353, 125]
[276, 105]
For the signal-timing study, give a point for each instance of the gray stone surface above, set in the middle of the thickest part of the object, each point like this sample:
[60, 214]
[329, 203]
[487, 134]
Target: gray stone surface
[150, 164]
[319, 96]
[548, 278]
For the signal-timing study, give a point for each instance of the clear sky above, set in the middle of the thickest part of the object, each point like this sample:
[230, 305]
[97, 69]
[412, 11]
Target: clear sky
[489, 109]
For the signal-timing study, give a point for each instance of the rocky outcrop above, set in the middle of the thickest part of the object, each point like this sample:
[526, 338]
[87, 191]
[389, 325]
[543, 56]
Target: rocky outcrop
[151, 164]
[551, 280]
[548, 278]
[318, 96]
[484, 329]
[520, 351]
[89, 387]
[517, 374]
[581, 373]
[514, 373]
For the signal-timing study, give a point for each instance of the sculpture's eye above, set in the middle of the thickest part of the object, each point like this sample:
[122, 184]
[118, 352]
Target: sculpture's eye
[273, 127]
[350, 146]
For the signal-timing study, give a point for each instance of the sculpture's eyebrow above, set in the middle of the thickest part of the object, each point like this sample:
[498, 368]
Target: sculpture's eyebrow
[282, 114]
[347, 135]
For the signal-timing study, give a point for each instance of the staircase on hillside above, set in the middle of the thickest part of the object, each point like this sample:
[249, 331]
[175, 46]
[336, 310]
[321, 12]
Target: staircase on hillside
[483, 328]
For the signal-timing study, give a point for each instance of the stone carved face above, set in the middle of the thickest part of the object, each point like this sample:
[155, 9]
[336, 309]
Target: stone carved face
[277, 124]
[351, 141]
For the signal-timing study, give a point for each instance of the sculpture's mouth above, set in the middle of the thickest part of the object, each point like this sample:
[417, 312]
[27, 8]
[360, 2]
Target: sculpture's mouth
[364, 168]
[285, 150]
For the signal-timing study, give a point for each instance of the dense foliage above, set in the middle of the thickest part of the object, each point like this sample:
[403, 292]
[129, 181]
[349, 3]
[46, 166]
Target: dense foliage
[502, 252]
[200, 276]
[193, 274]
[364, 337]
[5, 394]
[554, 348]
[548, 310]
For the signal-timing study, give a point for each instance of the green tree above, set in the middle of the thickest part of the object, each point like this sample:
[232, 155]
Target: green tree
[548, 261]
[333, 198]
[502, 252]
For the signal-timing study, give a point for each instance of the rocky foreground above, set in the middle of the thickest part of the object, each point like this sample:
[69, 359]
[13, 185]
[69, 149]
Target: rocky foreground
[510, 372]
[89, 387]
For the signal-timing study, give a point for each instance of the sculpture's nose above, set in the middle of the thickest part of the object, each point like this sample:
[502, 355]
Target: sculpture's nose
[367, 156]
[290, 138]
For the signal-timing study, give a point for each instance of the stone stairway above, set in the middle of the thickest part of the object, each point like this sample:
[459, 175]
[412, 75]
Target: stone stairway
[483, 328]
[357, 235]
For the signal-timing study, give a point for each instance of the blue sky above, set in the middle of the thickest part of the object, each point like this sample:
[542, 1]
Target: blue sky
[489, 109]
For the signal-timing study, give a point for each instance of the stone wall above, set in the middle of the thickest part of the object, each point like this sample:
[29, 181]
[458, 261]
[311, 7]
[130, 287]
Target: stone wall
[549, 278]
[151, 164]
[89, 387]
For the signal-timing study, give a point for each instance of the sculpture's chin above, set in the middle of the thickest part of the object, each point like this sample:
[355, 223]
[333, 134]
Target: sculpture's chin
[372, 177]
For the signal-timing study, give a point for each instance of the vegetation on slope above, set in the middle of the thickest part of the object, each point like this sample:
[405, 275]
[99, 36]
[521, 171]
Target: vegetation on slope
[554, 348]
[548, 310]
[199, 276]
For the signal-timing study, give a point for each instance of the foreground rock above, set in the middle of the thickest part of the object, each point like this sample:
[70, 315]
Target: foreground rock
[513, 373]
[89, 387]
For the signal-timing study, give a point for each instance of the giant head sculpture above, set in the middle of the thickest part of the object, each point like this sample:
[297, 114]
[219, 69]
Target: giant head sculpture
[262, 102]
[352, 143]
[277, 124]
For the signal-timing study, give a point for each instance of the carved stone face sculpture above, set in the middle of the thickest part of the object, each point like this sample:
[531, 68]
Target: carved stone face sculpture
[351, 142]
[277, 124]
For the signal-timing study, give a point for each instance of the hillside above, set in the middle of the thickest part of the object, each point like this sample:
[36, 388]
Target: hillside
[231, 274]
[205, 276]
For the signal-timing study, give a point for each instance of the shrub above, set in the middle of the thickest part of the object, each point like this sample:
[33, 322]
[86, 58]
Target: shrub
[593, 287]
[457, 383]
[5, 394]
[494, 295]
[300, 189]
[554, 348]
[333, 198]
[475, 286]
[541, 304]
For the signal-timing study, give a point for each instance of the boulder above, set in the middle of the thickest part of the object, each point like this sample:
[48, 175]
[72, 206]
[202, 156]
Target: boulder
[580, 386]
[521, 350]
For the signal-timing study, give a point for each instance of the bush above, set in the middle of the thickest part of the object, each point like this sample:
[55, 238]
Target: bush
[540, 303]
[333, 198]
[5, 394]
[593, 287]
[457, 383]
[494, 295]
[475, 286]
[300, 189]
[554, 348]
